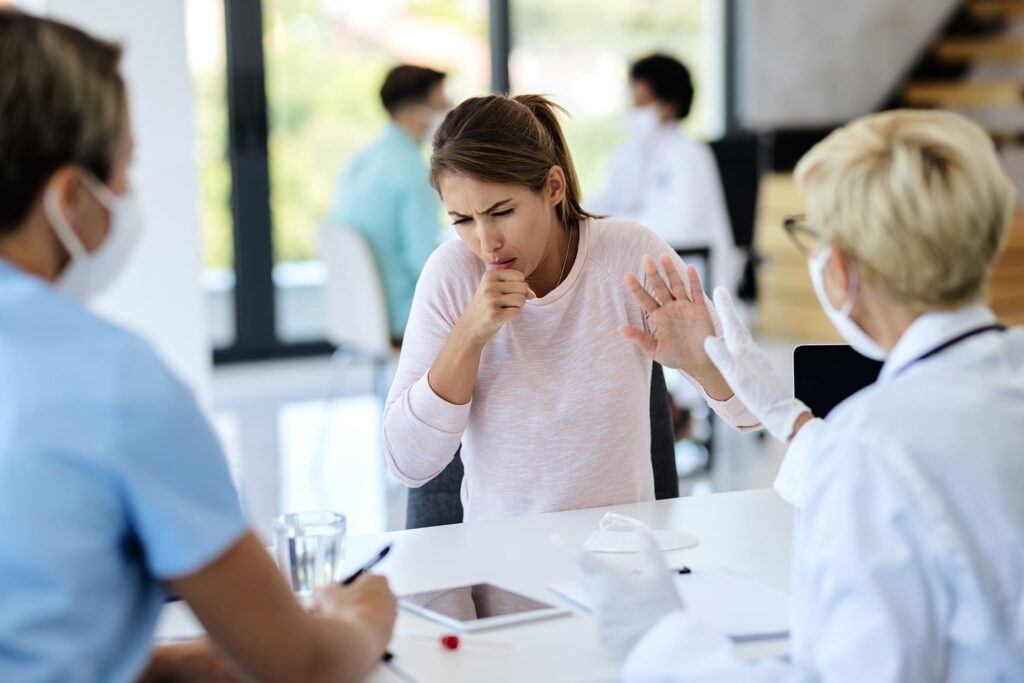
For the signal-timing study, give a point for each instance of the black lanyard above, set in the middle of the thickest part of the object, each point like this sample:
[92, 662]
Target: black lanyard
[994, 327]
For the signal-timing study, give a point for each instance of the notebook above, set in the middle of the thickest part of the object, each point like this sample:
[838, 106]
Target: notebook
[737, 605]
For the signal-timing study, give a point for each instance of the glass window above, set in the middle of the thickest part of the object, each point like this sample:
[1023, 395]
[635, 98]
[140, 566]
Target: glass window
[325, 60]
[578, 52]
[207, 58]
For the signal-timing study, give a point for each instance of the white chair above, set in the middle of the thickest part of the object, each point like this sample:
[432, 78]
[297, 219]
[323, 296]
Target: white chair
[357, 311]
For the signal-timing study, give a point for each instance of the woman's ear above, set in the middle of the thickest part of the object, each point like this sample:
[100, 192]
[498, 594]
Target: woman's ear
[66, 188]
[84, 213]
[838, 272]
[556, 185]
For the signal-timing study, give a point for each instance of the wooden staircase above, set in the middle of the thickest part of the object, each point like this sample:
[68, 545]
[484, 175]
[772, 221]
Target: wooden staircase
[787, 305]
[975, 68]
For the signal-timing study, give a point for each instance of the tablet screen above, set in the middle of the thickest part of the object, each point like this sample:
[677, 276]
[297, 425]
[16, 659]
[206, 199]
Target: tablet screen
[825, 375]
[475, 602]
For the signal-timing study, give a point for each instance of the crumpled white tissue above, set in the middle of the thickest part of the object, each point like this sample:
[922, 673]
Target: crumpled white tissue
[617, 534]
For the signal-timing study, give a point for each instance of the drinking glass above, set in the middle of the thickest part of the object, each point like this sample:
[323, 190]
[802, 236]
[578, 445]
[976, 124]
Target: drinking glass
[310, 549]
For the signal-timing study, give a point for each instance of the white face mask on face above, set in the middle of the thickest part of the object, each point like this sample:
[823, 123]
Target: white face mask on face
[90, 273]
[642, 122]
[848, 329]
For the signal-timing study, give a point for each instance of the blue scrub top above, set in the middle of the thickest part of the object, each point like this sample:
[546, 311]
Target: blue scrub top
[385, 195]
[110, 482]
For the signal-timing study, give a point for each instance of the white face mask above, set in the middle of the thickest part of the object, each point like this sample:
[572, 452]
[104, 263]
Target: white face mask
[90, 273]
[642, 122]
[848, 329]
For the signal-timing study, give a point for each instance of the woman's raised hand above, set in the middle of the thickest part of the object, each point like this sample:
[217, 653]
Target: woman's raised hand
[499, 299]
[680, 320]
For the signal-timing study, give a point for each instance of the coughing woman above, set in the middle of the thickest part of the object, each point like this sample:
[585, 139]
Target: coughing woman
[519, 341]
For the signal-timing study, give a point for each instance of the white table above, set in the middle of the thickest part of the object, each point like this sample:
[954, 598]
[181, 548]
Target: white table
[748, 531]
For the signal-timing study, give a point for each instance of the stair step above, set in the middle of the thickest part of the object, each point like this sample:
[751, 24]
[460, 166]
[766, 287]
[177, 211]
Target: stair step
[964, 94]
[998, 121]
[996, 9]
[978, 49]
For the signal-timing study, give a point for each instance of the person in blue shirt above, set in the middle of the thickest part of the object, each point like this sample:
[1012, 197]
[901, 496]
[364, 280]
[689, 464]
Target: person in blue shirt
[384, 193]
[113, 488]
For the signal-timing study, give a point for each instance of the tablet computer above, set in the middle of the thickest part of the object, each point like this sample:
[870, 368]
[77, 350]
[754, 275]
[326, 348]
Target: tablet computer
[478, 606]
[825, 375]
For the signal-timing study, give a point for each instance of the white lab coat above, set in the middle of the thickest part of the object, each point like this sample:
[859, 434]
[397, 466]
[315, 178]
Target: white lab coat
[908, 562]
[669, 183]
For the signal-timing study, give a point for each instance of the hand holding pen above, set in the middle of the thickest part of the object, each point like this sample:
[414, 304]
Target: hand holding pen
[374, 561]
[366, 597]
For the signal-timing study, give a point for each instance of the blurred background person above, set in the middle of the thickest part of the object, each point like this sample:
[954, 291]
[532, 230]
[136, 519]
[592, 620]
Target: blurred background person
[663, 178]
[666, 180]
[113, 488]
[384, 193]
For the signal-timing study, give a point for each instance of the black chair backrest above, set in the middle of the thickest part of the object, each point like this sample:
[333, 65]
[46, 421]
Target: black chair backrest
[737, 157]
[439, 501]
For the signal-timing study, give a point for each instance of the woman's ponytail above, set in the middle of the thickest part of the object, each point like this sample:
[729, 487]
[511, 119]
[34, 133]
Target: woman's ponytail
[512, 141]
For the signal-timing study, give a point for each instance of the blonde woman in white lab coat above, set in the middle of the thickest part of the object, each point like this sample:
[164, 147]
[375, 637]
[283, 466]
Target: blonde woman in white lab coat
[908, 558]
[663, 178]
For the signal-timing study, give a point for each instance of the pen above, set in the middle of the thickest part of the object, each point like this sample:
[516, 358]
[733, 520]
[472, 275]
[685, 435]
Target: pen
[369, 565]
[387, 656]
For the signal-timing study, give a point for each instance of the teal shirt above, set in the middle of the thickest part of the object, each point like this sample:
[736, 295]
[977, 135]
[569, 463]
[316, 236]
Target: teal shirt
[385, 195]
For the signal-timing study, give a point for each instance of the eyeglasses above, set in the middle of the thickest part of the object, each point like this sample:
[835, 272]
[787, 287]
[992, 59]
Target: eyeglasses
[802, 235]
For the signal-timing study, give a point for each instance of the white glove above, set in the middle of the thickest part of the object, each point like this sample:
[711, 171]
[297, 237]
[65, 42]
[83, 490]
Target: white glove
[748, 371]
[628, 604]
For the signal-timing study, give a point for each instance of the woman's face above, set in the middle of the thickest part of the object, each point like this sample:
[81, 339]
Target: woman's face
[506, 226]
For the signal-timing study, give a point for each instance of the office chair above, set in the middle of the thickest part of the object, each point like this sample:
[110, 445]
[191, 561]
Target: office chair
[357, 312]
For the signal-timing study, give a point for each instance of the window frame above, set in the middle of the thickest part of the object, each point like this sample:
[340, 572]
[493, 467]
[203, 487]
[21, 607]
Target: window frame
[256, 336]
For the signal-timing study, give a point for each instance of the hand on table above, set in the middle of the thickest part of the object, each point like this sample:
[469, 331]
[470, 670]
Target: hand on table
[680, 320]
[628, 604]
[749, 372]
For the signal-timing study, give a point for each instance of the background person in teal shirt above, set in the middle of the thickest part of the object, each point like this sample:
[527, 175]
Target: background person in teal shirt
[384, 193]
[113, 488]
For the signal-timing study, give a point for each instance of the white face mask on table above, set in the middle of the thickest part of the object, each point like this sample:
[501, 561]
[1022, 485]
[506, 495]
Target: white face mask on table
[850, 331]
[90, 273]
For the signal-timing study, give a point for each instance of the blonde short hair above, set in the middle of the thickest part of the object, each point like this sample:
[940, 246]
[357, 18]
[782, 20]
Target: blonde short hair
[917, 199]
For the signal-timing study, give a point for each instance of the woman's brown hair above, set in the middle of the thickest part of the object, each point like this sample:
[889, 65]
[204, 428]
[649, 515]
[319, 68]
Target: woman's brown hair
[62, 101]
[510, 141]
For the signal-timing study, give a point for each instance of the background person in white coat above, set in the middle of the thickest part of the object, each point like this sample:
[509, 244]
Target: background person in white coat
[663, 178]
[908, 558]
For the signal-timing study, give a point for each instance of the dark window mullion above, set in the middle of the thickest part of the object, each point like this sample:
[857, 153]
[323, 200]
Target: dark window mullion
[250, 196]
[501, 43]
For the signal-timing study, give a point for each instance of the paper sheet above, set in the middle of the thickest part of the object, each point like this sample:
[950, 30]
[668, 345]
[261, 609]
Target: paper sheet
[734, 604]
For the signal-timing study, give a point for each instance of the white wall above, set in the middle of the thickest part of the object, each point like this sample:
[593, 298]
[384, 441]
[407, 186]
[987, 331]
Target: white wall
[159, 295]
[814, 63]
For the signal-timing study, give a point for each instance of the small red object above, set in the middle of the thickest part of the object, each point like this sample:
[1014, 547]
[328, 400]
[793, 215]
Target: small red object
[450, 641]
